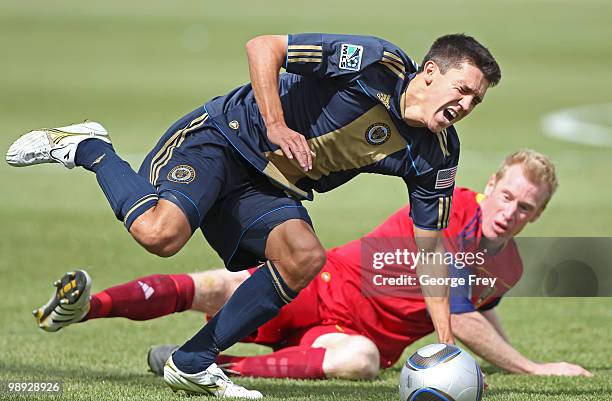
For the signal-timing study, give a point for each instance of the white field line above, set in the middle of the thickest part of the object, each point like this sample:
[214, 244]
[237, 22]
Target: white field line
[576, 125]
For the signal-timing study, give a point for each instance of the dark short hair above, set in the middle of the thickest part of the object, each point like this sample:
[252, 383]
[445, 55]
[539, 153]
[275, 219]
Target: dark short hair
[450, 51]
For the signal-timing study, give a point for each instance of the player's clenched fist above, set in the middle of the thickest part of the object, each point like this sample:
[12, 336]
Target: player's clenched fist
[292, 144]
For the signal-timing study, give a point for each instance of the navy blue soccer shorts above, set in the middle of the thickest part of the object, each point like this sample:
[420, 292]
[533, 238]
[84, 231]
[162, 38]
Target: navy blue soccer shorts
[234, 205]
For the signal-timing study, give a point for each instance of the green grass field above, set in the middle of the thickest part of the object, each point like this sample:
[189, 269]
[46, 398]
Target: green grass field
[138, 65]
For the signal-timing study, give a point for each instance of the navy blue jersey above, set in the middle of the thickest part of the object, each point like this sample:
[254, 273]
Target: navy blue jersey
[344, 94]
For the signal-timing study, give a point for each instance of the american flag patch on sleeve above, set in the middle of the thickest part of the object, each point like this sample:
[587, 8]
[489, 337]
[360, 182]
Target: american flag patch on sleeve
[446, 178]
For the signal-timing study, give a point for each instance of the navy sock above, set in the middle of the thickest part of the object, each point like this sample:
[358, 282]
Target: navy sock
[254, 303]
[128, 193]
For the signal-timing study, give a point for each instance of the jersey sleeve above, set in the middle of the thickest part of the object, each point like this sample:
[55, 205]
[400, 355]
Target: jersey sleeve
[329, 55]
[431, 196]
[431, 178]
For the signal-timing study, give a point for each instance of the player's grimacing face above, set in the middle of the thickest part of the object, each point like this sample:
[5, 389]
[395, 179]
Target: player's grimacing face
[453, 95]
[510, 203]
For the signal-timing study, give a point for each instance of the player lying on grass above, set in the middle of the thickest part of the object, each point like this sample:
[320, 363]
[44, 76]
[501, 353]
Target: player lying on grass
[331, 329]
[238, 167]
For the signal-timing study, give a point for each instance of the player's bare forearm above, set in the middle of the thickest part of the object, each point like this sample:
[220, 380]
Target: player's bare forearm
[493, 318]
[438, 308]
[266, 55]
[475, 331]
[436, 297]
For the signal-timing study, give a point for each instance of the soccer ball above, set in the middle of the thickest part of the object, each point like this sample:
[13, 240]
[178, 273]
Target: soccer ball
[441, 372]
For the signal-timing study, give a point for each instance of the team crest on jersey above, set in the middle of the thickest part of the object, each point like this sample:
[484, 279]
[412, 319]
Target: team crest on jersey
[234, 125]
[183, 174]
[378, 133]
[350, 57]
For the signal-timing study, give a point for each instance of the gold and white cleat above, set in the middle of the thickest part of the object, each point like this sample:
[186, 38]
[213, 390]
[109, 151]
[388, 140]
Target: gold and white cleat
[212, 381]
[68, 305]
[53, 145]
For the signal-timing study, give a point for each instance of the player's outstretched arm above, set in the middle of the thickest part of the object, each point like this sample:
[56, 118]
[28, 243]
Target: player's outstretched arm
[475, 331]
[493, 318]
[436, 297]
[266, 55]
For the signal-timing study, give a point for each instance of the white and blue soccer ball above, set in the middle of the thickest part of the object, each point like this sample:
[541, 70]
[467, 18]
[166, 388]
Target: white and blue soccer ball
[441, 372]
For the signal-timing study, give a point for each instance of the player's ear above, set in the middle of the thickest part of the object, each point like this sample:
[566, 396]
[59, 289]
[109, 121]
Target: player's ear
[429, 70]
[490, 185]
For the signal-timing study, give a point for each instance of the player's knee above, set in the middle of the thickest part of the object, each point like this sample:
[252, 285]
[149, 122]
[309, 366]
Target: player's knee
[162, 230]
[212, 289]
[357, 359]
[362, 367]
[365, 359]
[313, 260]
[307, 261]
[158, 239]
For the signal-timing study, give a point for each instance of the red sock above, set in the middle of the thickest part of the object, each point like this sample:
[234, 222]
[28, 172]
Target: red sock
[291, 362]
[144, 298]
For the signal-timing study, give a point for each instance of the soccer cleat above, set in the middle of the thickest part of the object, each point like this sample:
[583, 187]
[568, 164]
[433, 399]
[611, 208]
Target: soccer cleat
[53, 145]
[68, 305]
[157, 357]
[212, 381]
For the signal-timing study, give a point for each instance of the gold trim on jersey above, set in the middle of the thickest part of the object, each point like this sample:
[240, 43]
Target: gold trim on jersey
[304, 54]
[480, 197]
[444, 206]
[402, 104]
[394, 64]
[304, 60]
[393, 68]
[443, 141]
[163, 156]
[399, 64]
[393, 56]
[273, 172]
[139, 203]
[448, 210]
[304, 47]
[345, 148]
[278, 286]
[311, 54]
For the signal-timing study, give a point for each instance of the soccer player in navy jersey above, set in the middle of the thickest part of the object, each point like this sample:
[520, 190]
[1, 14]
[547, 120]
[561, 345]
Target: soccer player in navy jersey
[239, 166]
[333, 330]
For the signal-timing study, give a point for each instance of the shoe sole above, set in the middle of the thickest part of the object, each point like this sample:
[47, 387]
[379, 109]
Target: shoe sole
[70, 288]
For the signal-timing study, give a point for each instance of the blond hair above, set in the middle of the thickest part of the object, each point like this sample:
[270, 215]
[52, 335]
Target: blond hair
[537, 167]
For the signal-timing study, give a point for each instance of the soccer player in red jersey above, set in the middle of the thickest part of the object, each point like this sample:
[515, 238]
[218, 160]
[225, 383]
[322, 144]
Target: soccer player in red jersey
[338, 327]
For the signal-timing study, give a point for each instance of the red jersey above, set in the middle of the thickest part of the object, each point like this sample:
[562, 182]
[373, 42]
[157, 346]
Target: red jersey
[393, 322]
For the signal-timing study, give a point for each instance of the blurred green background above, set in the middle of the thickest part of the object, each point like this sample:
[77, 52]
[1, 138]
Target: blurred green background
[136, 66]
